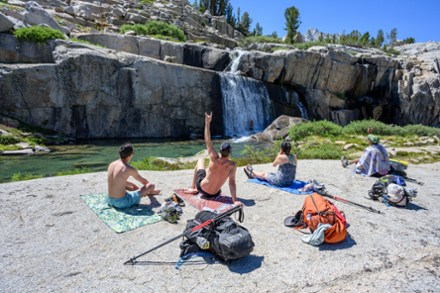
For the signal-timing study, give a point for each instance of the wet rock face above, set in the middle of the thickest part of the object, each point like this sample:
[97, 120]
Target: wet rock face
[90, 93]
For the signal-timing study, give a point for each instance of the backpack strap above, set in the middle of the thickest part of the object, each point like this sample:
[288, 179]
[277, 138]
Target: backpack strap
[320, 213]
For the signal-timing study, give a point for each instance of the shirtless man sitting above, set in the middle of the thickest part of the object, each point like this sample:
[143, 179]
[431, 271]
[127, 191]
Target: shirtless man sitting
[209, 182]
[123, 193]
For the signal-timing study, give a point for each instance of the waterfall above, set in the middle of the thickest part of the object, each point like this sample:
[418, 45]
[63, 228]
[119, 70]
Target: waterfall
[246, 105]
[236, 61]
[302, 110]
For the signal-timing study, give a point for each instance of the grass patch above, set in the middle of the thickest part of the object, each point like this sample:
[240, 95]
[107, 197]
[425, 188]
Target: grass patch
[158, 29]
[39, 34]
[281, 48]
[10, 7]
[146, 1]
[74, 171]
[85, 42]
[11, 147]
[155, 164]
[305, 46]
[260, 39]
[320, 151]
[24, 176]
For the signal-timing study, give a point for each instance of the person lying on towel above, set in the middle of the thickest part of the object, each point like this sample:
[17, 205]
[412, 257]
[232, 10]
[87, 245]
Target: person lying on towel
[286, 162]
[121, 192]
[374, 162]
[209, 182]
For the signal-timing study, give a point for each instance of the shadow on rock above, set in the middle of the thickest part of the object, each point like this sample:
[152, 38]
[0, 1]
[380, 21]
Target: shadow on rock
[246, 264]
[348, 243]
[415, 207]
[247, 202]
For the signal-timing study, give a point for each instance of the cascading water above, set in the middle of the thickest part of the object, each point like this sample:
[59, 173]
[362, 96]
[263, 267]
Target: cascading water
[302, 110]
[246, 105]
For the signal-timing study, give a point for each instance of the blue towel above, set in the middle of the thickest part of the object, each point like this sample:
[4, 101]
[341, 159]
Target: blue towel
[295, 188]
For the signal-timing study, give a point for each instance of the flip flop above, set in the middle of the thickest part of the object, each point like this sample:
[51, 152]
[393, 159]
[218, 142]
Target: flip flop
[248, 174]
[178, 200]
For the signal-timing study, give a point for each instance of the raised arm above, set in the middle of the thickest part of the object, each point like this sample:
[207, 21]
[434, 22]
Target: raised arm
[211, 151]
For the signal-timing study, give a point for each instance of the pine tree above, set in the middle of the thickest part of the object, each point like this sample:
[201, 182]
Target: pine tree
[393, 36]
[379, 39]
[258, 31]
[230, 18]
[245, 24]
[291, 15]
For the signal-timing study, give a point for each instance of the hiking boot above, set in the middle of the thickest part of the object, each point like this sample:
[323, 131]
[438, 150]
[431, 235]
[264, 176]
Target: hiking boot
[344, 162]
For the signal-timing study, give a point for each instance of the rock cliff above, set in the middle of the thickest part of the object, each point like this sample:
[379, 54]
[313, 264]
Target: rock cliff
[136, 86]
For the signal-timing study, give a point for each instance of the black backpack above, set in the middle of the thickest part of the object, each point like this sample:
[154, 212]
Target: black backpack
[224, 238]
[397, 168]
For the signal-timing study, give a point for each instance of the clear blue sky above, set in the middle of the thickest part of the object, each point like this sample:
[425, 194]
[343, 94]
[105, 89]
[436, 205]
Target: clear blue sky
[419, 19]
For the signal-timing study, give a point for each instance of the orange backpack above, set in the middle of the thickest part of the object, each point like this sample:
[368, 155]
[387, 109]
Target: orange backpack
[317, 209]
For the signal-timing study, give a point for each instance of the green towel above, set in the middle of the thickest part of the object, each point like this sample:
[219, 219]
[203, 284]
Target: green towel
[120, 220]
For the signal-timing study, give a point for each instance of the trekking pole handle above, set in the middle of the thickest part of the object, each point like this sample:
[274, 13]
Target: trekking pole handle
[200, 226]
[221, 216]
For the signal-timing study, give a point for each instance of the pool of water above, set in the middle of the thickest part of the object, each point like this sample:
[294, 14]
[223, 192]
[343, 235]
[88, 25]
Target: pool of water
[96, 155]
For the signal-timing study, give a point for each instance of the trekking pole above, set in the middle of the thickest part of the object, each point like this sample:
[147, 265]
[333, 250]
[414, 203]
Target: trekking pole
[370, 209]
[413, 180]
[132, 261]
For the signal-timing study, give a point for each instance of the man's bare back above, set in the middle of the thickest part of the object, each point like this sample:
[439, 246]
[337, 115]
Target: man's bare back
[219, 170]
[209, 182]
[118, 175]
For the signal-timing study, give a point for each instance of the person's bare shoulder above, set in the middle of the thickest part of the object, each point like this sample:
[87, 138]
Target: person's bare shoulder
[232, 165]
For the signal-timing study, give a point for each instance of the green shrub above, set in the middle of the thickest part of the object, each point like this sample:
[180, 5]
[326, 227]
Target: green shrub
[322, 128]
[38, 34]
[157, 29]
[253, 155]
[146, 1]
[6, 139]
[360, 127]
[421, 130]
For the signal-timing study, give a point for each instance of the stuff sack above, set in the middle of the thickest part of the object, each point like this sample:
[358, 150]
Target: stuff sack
[397, 168]
[318, 210]
[391, 193]
[396, 179]
[224, 238]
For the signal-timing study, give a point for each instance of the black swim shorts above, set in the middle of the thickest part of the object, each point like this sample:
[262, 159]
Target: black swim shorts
[201, 174]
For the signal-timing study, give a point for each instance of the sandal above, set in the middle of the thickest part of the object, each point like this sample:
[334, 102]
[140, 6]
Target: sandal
[344, 162]
[248, 173]
[178, 200]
